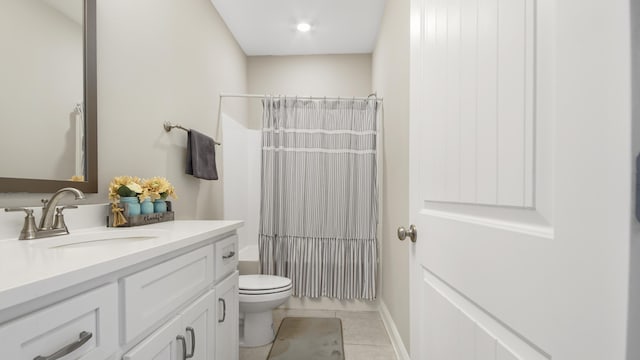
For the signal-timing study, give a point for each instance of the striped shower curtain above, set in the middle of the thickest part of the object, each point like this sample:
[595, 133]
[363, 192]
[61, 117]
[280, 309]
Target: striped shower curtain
[319, 196]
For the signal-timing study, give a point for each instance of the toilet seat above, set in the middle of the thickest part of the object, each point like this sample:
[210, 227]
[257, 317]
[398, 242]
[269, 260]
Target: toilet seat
[265, 291]
[263, 284]
[263, 297]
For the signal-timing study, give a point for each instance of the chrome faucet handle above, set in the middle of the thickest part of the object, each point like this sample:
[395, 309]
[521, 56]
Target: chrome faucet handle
[29, 228]
[27, 211]
[61, 208]
[44, 202]
[58, 222]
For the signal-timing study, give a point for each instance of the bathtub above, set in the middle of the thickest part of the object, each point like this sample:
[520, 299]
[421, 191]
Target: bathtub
[248, 260]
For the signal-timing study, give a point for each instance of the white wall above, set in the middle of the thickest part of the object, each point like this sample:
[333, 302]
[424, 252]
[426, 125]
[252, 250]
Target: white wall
[391, 79]
[160, 61]
[310, 75]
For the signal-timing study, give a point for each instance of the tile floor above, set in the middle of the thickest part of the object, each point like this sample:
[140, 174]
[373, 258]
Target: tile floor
[364, 335]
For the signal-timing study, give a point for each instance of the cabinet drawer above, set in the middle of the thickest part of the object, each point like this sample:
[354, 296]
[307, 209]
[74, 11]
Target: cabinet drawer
[226, 257]
[87, 320]
[154, 293]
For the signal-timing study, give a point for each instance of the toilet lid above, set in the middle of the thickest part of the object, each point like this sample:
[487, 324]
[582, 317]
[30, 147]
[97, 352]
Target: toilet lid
[257, 283]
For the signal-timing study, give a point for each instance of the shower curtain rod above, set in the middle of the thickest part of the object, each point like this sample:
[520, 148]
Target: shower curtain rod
[258, 96]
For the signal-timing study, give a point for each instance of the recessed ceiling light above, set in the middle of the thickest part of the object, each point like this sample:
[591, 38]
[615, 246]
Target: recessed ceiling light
[304, 27]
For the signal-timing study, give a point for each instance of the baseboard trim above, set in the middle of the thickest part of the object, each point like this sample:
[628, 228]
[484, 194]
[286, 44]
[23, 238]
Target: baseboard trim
[392, 330]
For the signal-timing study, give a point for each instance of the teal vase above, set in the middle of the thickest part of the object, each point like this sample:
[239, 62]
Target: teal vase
[133, 206]
[160, 206]
[146, 207]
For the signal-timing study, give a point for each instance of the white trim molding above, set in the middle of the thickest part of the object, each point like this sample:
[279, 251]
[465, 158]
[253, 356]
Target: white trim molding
[394, 335]
[536, 230]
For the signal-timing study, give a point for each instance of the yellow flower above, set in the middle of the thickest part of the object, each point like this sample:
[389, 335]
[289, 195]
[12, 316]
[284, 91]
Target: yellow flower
[158, 188]
[135, 187]
[132, 183]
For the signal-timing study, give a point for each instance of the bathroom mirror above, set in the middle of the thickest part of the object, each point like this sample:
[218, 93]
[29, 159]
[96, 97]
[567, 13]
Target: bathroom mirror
[48, 95]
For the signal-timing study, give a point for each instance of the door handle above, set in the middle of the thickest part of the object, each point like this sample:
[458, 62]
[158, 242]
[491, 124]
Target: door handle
[412, 233]
[66, 350]
[193, 342]
[181, 339]
[224, 309]
[229, 255]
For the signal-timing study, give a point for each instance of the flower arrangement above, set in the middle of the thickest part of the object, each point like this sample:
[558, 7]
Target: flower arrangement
[158, 188]
[124, 188]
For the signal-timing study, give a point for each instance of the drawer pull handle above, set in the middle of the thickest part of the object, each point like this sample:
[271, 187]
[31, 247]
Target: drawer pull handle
[181, 339]
[224, 309]
[229, 255]
[193, 341]
[82, 339]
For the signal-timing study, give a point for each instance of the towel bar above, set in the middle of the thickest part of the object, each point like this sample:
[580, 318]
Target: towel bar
[168, 126]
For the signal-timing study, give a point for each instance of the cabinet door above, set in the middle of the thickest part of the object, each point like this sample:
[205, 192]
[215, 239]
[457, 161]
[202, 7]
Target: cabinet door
[158, 291]
[227, 330]
[161, 345]
[198, 327]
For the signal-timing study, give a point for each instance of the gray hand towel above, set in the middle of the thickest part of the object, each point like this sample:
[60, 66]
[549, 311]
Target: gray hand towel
[201, 156]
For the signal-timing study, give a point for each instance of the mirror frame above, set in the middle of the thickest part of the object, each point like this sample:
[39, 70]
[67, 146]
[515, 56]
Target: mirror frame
[90, 185]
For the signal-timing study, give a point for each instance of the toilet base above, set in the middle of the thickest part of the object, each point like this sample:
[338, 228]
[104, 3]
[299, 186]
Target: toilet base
[257, 329]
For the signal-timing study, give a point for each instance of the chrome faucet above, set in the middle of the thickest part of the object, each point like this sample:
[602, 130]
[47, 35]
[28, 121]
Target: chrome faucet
[48, 227]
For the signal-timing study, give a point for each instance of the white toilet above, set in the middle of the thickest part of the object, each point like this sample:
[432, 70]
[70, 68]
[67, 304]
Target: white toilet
[259, 295]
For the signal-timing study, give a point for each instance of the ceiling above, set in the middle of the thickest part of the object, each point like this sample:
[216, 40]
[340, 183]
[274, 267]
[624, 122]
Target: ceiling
[268, 27]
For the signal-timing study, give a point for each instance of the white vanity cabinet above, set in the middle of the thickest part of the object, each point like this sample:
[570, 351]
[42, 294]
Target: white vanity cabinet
[176, 299]
[207, 329]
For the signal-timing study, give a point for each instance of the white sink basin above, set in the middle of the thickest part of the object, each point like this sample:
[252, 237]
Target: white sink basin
[99, 238]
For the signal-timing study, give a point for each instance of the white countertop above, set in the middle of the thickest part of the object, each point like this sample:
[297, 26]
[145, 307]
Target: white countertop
[30, 269]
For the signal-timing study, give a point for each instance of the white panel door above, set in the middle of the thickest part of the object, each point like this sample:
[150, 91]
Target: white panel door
[520, 179]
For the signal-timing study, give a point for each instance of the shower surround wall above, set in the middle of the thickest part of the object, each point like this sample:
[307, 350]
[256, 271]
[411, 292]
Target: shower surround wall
[241, 167]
